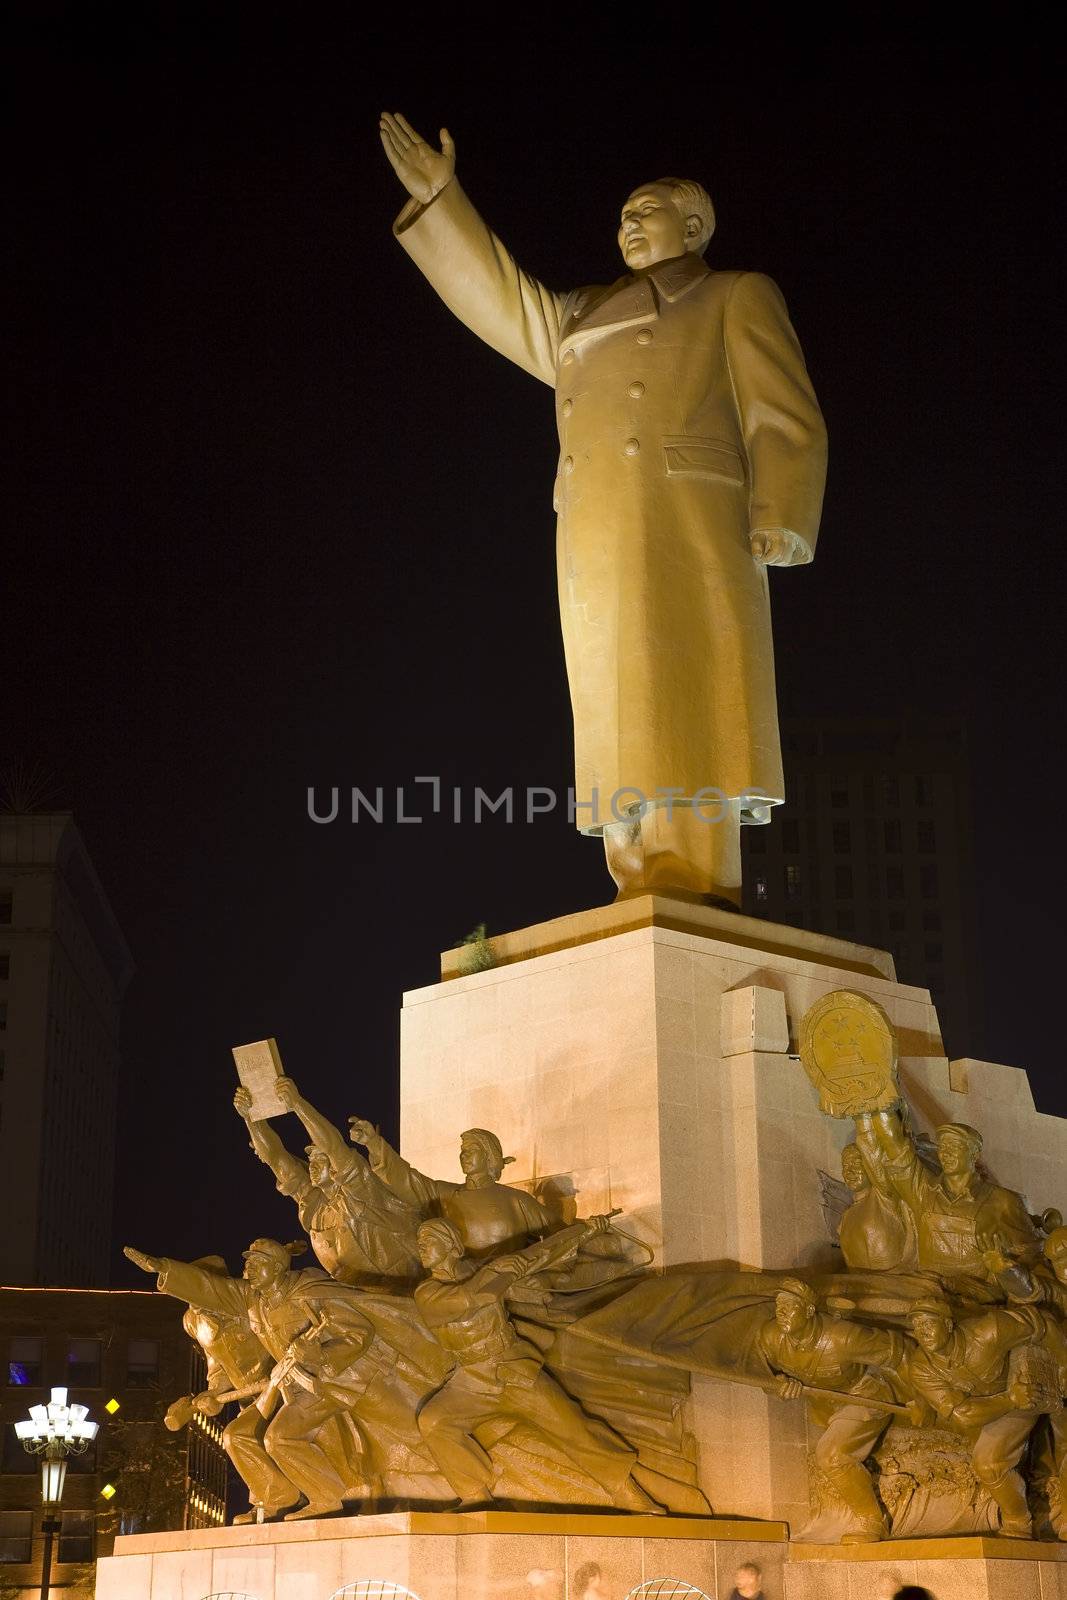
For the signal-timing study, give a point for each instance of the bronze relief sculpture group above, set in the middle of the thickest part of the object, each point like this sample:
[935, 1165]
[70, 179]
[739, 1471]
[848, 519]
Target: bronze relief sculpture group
[458, 1346]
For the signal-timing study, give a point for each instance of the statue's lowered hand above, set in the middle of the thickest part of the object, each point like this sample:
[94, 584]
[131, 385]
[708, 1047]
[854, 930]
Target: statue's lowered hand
[422, 170]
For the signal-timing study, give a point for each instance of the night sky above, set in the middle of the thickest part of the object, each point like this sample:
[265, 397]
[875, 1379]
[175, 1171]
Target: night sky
[278, 520]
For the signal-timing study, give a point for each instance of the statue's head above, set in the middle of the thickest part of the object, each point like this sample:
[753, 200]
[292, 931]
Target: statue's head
[930, 1322]
[671, 217]
[958, 1148]
[318, 1165]
[794, 1306]
[1056, 1252]
[438, 1242]
[481, 1153]
[852, 1168]
[266, 1261]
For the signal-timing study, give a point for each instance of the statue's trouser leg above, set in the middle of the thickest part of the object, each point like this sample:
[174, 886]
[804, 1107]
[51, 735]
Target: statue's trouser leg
[475, 1395]
[997, 1452]
[268, 1486]
[678, 847]
[291, 1441]
[840, 1451]
[1058, 1425]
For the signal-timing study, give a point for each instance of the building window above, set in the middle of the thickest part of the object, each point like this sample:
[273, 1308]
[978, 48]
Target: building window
[924, 791]
[6, 906]
[927, 836]
[894, 882]
[761, 886]
[892, 836]
[931, 922]
[16, 1536]
[928, 880]
[756, 839]
[839, 793]
[142, 1363]
[13, 1458]
[933, 952]
[76, 1537]
[846, 922]
[842, 838]
[791, 836]
[868, 793]
[891, 792]
[843, 881]
[24, 1360]
[3, 1013]
[83, 1364]
[897, 921]
[5, 965]
[792, 881]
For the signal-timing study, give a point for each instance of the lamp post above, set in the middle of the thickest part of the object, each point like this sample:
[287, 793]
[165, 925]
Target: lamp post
[54, 1432]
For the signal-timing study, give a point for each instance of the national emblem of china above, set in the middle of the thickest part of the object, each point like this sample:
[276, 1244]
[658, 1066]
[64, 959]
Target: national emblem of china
[849, 1051]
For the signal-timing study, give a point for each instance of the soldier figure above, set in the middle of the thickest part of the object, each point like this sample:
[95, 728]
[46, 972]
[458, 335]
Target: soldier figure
[499, 1376]
[958, 1215]
[359, 1229]
[961, 1369]
[812, 1350]
[490, 1216]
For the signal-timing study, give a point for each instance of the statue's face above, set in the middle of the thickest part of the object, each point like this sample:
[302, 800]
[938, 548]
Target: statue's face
[433, 1250]
[260, 1271]
[652, 228]
[473, 1159]
[1058, 1264]
[318, 1167]
[852, 1169]
[791, 1314]
[929, 1331]
[955, 1154]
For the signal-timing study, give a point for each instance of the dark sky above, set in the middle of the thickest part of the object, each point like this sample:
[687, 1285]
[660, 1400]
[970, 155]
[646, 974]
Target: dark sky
[279, 521]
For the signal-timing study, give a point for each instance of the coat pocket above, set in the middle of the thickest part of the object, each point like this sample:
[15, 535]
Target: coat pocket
[703, 458]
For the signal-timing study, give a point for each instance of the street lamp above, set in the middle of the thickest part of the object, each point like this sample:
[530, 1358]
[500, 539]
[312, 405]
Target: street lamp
[54, 1432]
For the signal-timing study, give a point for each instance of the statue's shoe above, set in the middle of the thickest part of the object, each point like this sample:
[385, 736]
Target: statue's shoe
[316, 1508]
[632, 1497]
[1022, 1529]
[873, 1534]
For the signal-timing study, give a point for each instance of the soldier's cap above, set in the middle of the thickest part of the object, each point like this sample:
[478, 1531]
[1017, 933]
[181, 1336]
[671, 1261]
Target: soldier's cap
[281, 1254]
[490, 1144]
[798, 1290]
[443, 1231]
[930, 1306]
[214, 1264]
[962, 1130]
[1056, 1244]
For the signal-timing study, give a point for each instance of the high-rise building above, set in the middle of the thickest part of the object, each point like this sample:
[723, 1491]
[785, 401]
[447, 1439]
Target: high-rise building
[874, 842]
[64, 965]
[124, 1354]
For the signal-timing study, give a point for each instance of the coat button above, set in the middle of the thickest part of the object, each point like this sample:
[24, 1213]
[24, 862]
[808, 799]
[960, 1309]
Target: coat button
[635, 391]
[568, 356]
[568, 463]
[644, 336]
[631, 447]
[567, 407]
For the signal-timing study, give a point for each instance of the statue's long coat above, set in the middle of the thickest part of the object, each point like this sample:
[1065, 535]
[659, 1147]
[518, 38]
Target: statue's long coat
[686, 420]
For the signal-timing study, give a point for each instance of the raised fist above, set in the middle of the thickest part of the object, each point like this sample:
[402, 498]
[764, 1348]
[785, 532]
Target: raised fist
[287, 1091]
[242, 1103]
[364, 1133]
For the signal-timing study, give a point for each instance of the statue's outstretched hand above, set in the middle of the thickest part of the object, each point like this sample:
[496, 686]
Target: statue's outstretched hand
[287, 1091]
[422, 170]
[139, 1259]
[365, 1133]
[242, 1103]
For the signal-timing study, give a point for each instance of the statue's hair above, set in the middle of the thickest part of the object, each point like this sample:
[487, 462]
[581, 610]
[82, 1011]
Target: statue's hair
[440, 1228]
[490, 1144]
[799, 1290]
[962, 1130]
[693, 200]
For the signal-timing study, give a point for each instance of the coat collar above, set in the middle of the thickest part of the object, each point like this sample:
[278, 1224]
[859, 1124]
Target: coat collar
[632, 299]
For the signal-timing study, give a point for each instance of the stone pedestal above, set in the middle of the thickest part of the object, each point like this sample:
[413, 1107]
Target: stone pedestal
[642, 1055]
[437, 1556]
[951, 1569]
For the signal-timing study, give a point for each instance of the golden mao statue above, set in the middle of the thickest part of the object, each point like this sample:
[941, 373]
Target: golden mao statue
[692, 457]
